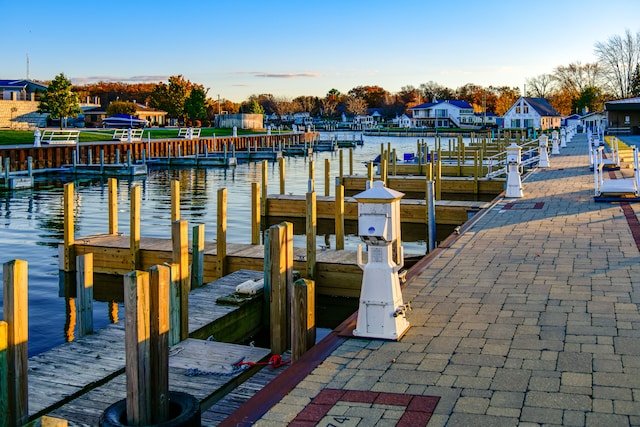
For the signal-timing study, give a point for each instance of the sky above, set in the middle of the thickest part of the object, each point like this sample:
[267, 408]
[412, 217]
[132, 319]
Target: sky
[286, 48]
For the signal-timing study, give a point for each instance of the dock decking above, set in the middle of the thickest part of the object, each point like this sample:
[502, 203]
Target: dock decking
[79, 379]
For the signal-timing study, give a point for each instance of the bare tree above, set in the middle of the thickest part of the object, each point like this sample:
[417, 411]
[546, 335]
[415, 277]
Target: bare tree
[540, 86]
[356, 106]
[619, 57]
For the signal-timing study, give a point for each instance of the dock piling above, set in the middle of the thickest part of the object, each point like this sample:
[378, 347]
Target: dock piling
[197, 256]
[221, 240]
[180, 257]
[84, 293]
[303, 327]
[255, 213]
[16, 316]
[311, 228]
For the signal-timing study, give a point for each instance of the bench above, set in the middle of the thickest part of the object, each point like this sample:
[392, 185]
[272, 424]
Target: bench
[59, 137]
[123, 134]
[189, 133]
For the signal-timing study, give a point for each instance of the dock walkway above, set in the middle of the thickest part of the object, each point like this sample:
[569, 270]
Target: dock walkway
[530, 317]
[78, 380]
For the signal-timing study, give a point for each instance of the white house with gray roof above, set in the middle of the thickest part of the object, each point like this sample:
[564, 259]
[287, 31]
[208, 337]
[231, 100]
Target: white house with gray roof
[534, 113]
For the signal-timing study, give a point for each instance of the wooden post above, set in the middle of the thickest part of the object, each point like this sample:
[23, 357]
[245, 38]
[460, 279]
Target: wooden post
[278, 273]
[180, 241]
[84, 293]
[68, 256]
[370, 174]
[113, 206]
[303, 319]
[265, 179]
[159, 277]
[341, 163]
[339, 216]
[221, 240]
[255, 213]
[383, 171]
[4, 375]
[312, 174]
[439, 177]
[327, 176]
[16, 314]
[475, 170]
[311, 226]
[174, 303]
[350, 161]
[393, 160]
[175, 200]
[137, 347]
[281, 168]
[197, 256]
[134, 221]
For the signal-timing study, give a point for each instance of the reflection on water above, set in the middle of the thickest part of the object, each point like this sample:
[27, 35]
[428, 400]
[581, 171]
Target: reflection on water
[31, 224]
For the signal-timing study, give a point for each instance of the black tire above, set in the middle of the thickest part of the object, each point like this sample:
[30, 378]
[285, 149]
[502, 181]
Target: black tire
[184, 411]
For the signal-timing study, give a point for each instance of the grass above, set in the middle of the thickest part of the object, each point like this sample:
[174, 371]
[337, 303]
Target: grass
[16, 137]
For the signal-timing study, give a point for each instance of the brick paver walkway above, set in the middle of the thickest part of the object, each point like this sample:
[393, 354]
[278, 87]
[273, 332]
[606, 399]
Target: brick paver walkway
[529, 318]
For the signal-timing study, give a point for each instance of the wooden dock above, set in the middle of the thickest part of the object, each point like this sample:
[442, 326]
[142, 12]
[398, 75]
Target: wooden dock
[337, 273]
[449, 212]
[79, 379]
[416, 184]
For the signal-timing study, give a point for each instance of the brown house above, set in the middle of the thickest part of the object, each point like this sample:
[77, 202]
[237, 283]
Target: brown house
[623, 116]
[93, 116]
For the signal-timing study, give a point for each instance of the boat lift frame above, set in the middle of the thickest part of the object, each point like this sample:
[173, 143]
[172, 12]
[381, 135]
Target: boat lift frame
[614, 190]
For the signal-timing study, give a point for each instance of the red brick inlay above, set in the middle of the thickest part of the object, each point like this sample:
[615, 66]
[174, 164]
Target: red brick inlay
[418, 409]
[523, 205]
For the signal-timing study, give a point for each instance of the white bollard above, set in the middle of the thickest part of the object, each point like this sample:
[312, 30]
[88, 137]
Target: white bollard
[544, 154]
[514, 183]
[36, 138]
[555, 147]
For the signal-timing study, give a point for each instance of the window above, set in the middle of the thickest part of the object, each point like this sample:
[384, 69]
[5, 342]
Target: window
[627, 120]
[526, 109]
[518, 109]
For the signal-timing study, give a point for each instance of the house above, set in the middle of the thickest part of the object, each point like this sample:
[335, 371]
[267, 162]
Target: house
[485, 119]
[572, 120]
[403, 121]
[443, 114]
[532, 113]
[594, 120]
[623, 116]
[363, 121]
[19, 104]
[93, 116]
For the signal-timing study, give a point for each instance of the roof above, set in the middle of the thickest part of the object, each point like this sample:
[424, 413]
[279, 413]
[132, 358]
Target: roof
[460, 103]
[541, 106]
[28, 85]
[623, 104]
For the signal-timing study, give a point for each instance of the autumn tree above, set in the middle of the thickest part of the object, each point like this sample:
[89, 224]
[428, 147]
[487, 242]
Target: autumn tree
[432, 90]
[506, 97]
[619, 57]
[121, 107]
[374, 96]
[59, 100]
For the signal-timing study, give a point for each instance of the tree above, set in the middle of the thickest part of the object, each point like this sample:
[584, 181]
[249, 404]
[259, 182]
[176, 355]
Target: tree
[507, 96]
[121, 107]
[195, 104]
[356, 106]
[432, 90]
[619, 57]
[59, 101]
[540, 86]
[635, 82]
[171, 97]
[374, 96]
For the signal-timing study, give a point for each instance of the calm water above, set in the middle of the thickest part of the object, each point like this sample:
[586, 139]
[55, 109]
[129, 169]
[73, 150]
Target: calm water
[32, 220]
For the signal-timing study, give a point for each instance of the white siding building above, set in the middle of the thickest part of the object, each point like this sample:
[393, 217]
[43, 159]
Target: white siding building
[534, 113]
[442, 114]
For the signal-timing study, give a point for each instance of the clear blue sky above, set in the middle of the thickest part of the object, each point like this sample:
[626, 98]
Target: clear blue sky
[292, 48]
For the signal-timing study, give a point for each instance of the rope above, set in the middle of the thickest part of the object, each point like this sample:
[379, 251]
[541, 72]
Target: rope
[235, 369]
[275, 361]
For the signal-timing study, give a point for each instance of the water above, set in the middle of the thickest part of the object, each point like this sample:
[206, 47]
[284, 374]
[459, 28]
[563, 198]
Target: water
[32, 220]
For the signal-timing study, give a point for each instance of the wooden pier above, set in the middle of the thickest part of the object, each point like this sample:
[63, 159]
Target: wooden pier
[77, 380]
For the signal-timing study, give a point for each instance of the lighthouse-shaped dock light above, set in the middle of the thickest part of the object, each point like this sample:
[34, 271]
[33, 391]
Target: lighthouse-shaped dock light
[381, 312]
[544, 154]
[514, 183]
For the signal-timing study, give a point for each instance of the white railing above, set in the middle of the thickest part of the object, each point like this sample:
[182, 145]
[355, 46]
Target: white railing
[59, 137]
[614, 187]
[189, 133]
[497, 164]
[127, 134]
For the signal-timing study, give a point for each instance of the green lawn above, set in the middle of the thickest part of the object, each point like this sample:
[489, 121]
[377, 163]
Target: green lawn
[12, 137]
